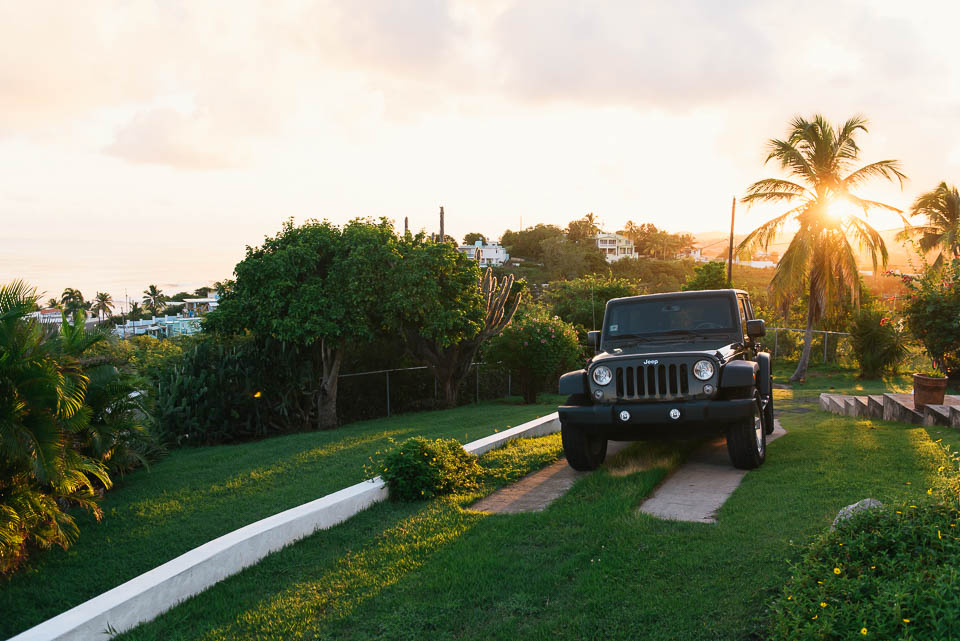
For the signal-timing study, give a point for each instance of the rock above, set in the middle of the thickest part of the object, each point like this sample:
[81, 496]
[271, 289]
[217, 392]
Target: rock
[850, 510]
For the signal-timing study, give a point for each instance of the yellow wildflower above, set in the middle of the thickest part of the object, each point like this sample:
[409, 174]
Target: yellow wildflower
[930, 490]
[814, 617]
[823, 604]
[913, 506]
[938, 535]
[938, 440]
[940, 469]
[863, 631]
[899, 512]
[906, 620]
[836, 570]
[790, 598]
[258, 395]
[873, 567]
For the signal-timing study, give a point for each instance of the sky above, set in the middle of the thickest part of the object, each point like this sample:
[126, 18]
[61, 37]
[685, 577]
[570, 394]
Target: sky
[149, 141]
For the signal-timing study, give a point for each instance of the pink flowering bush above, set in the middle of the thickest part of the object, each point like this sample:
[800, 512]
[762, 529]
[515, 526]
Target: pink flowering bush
[536, 347]
[933, 314]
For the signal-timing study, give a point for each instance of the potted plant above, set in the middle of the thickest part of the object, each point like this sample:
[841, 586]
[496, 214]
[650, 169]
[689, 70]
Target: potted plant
[933, 314]
[929, 388]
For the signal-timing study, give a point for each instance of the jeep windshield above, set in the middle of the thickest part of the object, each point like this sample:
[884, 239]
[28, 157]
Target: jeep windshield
[669, 318]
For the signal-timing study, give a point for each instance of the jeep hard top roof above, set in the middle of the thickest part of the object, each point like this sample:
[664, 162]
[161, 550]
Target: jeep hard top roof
[699, 292]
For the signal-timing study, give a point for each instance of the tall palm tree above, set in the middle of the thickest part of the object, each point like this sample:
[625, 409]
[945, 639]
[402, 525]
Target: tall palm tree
[103, 305]
[819, 260]
[941, 207]
[135, 312]
[153, 299]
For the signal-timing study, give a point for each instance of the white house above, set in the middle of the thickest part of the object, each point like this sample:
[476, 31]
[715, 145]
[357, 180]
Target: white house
[614, 246]
[491, 254]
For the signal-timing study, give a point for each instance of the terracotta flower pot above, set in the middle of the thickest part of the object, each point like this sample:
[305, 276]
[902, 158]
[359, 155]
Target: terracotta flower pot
[928, 390]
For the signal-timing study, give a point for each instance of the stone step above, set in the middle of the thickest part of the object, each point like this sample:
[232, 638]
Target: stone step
[825, 402]
[936, 415]
[875, 405]
[860, 403]
[849, 405]
[955, 416]
[899, 407]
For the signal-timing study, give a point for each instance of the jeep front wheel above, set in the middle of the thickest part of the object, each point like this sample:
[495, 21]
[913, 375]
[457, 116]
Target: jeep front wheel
[747, 439]
[584, 452]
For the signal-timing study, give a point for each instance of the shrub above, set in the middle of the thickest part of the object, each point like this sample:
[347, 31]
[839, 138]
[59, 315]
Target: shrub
[712, 275]
[933, 313]
[537, 347]
[422, 469]
[582, 301]
[878, 343]
[235, 389]
[886, 573]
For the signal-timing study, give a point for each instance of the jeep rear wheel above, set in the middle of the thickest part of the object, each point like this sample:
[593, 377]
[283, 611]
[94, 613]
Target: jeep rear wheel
[747, 439]
[584, 452]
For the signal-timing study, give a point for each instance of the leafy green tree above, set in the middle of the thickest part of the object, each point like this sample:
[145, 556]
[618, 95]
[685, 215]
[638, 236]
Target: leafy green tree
[316, 286]
[537, 347]
[583, 230]
[528, 243]
[582, 301]
[153, 299]
[941, 208]
[820, 258]
[566, 259]
[712, 275]
[136, 312]
[102, 305]
[446, 309]
[654, 274]
[650, 241]
[42, 414]
[933, 314]
[473, 237]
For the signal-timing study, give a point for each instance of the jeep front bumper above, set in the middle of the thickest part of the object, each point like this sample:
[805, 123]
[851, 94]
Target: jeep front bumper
[661, 414]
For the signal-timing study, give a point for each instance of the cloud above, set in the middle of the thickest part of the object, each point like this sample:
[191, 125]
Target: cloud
[168, 137]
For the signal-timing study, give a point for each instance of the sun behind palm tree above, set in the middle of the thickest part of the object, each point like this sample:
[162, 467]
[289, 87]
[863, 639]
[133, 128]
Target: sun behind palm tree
[941, 207]
[819, 259]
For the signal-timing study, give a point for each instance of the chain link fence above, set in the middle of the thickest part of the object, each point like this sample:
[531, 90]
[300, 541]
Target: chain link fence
[366, 395]
[830, 348]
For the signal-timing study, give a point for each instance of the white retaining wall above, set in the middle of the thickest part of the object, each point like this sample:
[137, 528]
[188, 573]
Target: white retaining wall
[147, 596]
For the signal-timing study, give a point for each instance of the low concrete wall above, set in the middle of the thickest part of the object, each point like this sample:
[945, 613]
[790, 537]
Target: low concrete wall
[147, 596]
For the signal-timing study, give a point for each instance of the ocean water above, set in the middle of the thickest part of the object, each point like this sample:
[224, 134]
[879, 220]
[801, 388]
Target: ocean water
[121, 268]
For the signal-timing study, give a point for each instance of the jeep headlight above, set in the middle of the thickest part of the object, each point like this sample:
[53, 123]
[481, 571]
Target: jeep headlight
[703, 370]
[602, 375]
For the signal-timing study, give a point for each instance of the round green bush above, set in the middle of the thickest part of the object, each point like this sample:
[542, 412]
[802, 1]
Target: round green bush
[887, 573]
[421, 468]
[537, 347]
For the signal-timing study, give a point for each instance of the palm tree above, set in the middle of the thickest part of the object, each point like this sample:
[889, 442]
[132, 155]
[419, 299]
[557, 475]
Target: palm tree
[53, 302]
[819, 260]
[103, 305]
[941, 207]
[135, 311]
[41, 412]
[72, 300]
[153, 299]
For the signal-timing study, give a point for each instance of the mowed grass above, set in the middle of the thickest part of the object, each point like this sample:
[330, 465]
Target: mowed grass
[588, 567]
[196, 495]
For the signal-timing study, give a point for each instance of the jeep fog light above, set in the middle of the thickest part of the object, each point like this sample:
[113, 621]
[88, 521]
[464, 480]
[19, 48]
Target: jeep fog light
[708, 389]
[598, 394]
[602, 375]
[703, 370]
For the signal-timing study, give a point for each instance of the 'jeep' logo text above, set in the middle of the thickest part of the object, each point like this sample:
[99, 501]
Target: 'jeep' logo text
[651, 362]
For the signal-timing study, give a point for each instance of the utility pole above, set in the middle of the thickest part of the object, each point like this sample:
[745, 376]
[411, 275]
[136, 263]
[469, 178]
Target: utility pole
[733, 211]
[406, 225]
[442, 236]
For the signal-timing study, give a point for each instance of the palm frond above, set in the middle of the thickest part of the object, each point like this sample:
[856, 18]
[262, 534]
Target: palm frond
[887, 169]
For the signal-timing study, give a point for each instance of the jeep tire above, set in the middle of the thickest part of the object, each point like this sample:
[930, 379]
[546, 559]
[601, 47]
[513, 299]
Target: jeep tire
[747, 439]
[584, 452]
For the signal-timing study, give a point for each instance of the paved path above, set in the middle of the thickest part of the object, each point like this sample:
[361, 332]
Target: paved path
[700, 487]
[536, 491]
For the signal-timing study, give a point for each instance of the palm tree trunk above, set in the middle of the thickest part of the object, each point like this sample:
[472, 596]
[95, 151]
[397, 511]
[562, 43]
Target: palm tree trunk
[801, 371]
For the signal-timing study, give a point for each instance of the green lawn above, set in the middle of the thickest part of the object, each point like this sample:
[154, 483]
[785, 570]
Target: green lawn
[196, 495]
[590, 566]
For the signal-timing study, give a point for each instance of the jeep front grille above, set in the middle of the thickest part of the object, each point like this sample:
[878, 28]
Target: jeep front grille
[652, 382]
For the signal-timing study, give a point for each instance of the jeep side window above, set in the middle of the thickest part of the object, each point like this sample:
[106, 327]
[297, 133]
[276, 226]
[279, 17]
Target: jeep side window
[743, 319]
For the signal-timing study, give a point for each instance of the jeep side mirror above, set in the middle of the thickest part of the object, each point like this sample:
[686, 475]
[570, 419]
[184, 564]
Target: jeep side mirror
[756, 328]
[593, 338]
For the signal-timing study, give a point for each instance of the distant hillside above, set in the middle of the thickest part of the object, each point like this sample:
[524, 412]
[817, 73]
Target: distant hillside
[714, 245]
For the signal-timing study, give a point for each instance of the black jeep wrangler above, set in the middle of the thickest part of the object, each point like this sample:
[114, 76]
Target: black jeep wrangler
[680, 365]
